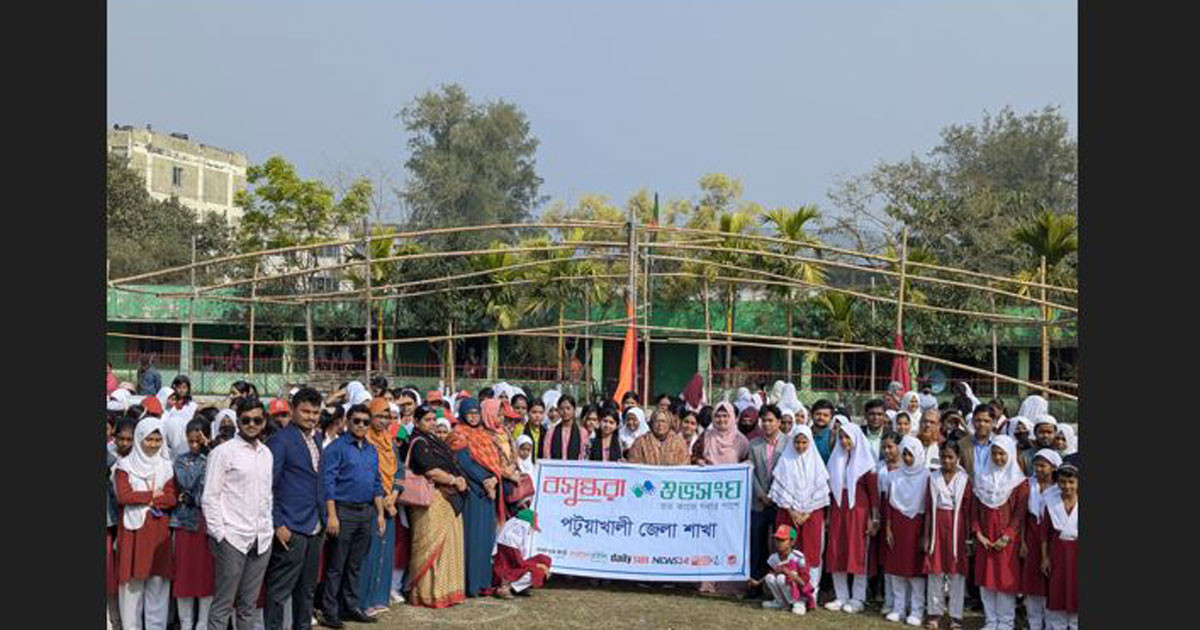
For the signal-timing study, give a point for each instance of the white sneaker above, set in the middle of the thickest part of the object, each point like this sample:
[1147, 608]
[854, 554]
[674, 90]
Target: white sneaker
[885, 610]
[892, 616]
[913, 621]
[836, 604]
[771, 604]
[799, 608]
[397, 598]
[850, 608]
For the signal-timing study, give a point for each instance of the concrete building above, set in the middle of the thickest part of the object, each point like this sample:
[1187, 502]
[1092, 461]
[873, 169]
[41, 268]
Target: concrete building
[203, 178]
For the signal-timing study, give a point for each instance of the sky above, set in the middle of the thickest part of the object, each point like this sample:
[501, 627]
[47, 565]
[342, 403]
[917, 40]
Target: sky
[623, 95]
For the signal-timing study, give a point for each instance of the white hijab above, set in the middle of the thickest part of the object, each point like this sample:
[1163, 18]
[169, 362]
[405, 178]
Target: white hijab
[216, 423]
[1068, 432]
[356, 394]
[163, 395]
[952, 493]
[550, 399]
[1066, 524]
[994, 485]
[525, 464]
[744, 400]
[907, 484]
[1033, 406]
[845, 469]
[907, 401]
[789, 403]
[145, 472]
[776, 394]
[625, 435]
[1016, 421]
[1037, 499]
[801, 481]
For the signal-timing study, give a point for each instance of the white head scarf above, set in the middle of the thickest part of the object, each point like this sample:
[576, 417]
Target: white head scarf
[1037, 499]
[550, 398]
[1066, 524]
[163, 395]
[1033, 406]
[928, 401]
[356, 393]
[776, 394]
[1068, 432]
[525, 464]
[994, 485]
[145, 472]
[789, 402]
[906, 402]
[1016, 421]
[1045, 419]
[801, 481]
[845, 469]
[394, 409]
[625, 435]
[443, 422]
[119, 400]
[743, 400]
[216, 423]
[907, 484]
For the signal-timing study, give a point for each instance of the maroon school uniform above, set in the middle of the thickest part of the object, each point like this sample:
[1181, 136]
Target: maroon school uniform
[847, 548]
[809, 536]
[904, 557]
[110, 565]
[1033, 581]
[194, 562]
[1062, 589]
[145, 551]
[508, 567]
[1000, 570]
[949, 553]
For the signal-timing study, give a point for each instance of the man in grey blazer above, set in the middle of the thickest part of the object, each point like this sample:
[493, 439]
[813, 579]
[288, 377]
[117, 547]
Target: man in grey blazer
[764, 453]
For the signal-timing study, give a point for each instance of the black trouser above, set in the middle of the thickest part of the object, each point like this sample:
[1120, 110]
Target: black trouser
[760, 541]
[292, 572]
[350, 546]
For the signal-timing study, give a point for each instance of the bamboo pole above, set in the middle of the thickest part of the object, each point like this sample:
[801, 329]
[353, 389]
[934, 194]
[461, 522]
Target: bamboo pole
[450, 354]
[367, 295]
[645, 330]
[1045, 333]
[253, 292]
[632, 288]
[308, 334]
[192, 311]
[707, 337]
[900, 299]
[872, 375]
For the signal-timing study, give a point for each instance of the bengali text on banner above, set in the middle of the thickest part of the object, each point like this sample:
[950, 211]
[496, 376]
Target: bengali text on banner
[634, 522]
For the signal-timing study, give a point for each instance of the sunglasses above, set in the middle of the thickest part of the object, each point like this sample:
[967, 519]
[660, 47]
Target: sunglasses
[251, 420]
[361, 421]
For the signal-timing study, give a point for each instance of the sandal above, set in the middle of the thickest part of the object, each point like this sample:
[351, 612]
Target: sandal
[504, 592]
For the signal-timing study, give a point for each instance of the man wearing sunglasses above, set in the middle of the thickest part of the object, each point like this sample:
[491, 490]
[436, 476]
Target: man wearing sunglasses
[237, 509]
[354, 512]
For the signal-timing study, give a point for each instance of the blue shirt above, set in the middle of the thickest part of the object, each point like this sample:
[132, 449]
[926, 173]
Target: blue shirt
[350, 470]
[982, 451]
[823, 438]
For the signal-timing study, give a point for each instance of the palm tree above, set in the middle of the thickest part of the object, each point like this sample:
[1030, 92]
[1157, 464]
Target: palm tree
[790, 224]
[499, 300]
[841, 319]
[732, 224]
[1052, 235]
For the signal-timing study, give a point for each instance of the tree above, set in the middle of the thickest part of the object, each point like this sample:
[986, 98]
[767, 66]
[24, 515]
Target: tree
[469, 164]
[145, 235]
[970, 192]
[792, 225]
[282, 209]
[1053, 236]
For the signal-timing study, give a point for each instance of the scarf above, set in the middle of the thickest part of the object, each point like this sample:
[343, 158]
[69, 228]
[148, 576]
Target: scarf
[910, 403]
[490, 410]
[1034, 406]
[693, 394]
[596, 453]
[525, 464]
[846, 468]
[728, 446]
[1068, 432]
[1019, 421]
[627, 437]
[943, 493]
[801, 481]
[651, 450]
[1066, 524]
[789, 403]
[482, 447]
[743, 400]
[994, 485]
[908, 484]
[383, 442]
[1037, 498]
[145, 473]
[751, 431]
[356, 394]
[574, 442]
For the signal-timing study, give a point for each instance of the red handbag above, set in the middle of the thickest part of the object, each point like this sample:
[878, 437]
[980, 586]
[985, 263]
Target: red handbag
[524, 489]
[417, 490]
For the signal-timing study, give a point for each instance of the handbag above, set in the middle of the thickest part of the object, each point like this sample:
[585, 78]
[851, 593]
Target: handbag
[524, 489]
[416, 490]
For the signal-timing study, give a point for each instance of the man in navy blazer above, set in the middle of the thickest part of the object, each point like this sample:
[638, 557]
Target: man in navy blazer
[298, 514]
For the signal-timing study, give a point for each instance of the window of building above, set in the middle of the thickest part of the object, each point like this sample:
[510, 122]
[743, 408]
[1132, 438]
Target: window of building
[176, 176]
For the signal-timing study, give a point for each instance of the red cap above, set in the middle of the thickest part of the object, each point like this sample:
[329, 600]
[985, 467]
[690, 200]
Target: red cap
[152, 406]
[433, 396]
[785, 532]
[278, 406]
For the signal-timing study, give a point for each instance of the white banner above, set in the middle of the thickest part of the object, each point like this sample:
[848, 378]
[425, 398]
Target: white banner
[634, 522]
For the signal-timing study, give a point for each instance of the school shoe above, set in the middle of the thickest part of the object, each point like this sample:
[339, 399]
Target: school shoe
[835, 604]
[799, 608]
[892, 616]
[358, 616]
[771, 604]
[853, 607]
[913, 621]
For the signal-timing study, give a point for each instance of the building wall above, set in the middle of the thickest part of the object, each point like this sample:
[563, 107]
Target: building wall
[210, 176]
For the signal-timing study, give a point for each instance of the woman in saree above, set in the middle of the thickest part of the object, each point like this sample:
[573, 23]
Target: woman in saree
[435, 568]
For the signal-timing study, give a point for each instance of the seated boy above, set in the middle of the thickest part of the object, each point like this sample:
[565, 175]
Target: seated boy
[788, 580]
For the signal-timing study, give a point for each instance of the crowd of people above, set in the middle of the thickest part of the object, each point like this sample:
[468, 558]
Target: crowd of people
[331, 508]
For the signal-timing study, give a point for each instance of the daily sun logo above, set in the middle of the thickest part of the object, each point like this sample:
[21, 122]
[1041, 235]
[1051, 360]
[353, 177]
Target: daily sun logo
[644, 490]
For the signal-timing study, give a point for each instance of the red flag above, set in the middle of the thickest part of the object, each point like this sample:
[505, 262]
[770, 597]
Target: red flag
[628, 357]
[900, 366]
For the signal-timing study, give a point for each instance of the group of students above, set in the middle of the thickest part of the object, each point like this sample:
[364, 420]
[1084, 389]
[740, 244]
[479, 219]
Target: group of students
[832, 497]
[290, 514]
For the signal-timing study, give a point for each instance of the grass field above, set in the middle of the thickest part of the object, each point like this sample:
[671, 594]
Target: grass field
[622, 605]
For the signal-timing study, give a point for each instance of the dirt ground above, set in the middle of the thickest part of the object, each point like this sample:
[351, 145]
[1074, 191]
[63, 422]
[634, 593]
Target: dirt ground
[578, 605]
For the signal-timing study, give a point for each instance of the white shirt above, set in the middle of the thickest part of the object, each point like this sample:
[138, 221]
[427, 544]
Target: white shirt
[237, 494]
[175, 422]
[933, 457]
